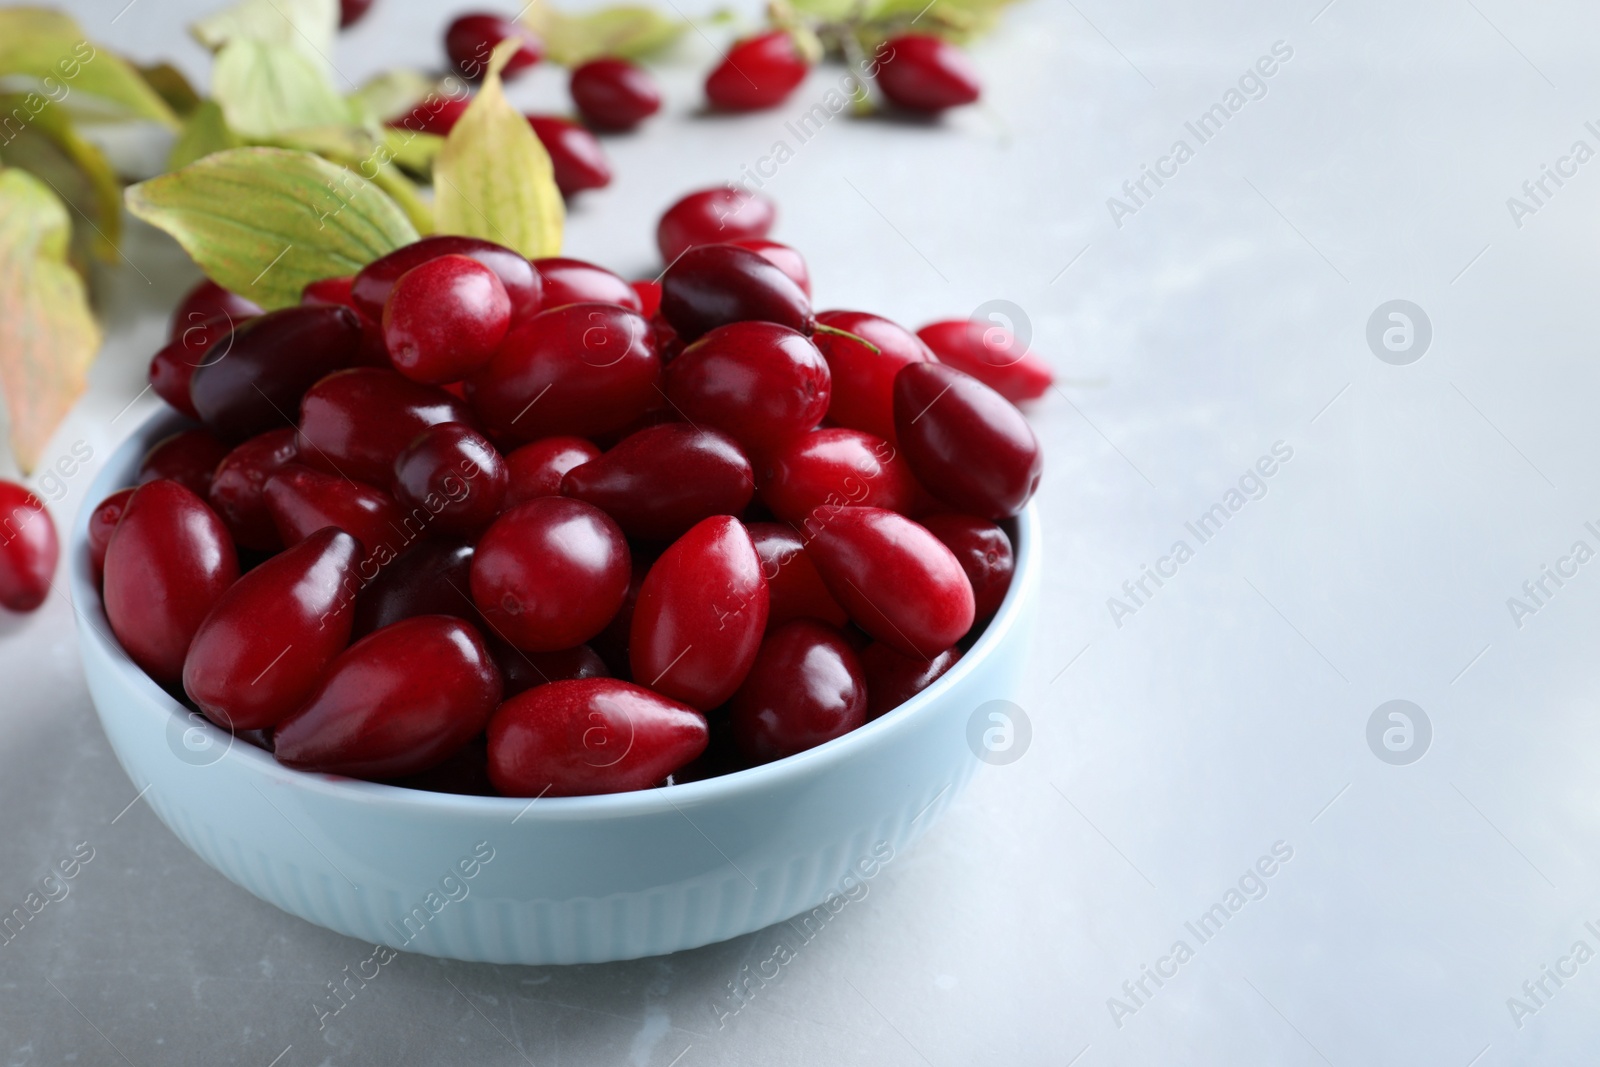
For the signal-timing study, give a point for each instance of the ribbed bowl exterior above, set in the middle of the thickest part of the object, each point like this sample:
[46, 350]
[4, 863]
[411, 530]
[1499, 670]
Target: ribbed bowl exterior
[554, 880]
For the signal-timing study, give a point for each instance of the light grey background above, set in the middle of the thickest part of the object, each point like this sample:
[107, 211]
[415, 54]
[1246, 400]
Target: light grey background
[1228, 713]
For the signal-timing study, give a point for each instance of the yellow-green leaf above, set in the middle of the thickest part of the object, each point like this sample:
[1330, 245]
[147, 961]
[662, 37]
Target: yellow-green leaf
[266, 89]
[48, 337]
[369, 156]
[413, 150]
[170, 84]
[265, 222]
[75, 170]
[631, 31]
[48, 48]
[493, 179]
[307, 25]
[205, 132]
[392, 94]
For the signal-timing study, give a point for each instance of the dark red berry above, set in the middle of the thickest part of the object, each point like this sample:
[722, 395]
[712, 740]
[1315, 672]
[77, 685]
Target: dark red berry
[208, 301]
[786, 259]
[595, 735]
[894, 677]
[649, 294]
[795, 589]
[984, 552]
[172, 368]
[303, 501]
[452, 476]
[330, 292]
[990, 353]
[613, 94]
[353, 11]
[536, 469]
[102, 522]
[435, 114]
[702, 610]
[898, 582]
[714, 285]
[806, 687]
[28, 548]
[395, 703]
[271, 362]
[354, 423]
[370, 290]
[573, 281]
[926, 73]
[237, 487]
[432, 577]
[444, 319]
[966, 443]
[661, 480]
[575, 154]
[169, 560]
[550, 573]
[524, 670]
[268, 640]
[471, 39]
[834, 466]
[863, 397]
[761, 383]
[712, 216]
[582, 370]
[188, 457]
[758, 72]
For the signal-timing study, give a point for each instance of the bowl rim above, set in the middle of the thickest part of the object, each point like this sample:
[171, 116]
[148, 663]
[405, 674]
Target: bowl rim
[94, 629]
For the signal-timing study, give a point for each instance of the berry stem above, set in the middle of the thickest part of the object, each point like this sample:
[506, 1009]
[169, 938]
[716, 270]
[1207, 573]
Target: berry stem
[825, 328]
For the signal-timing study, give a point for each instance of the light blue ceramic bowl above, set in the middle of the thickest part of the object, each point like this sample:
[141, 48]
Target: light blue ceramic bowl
[558, 880]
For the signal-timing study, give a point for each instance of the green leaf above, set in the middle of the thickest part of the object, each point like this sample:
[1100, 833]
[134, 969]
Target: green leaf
[392, 94]
[369, 156]
[205, 132]
[173, 88]
[76, 171]
[412, 150]
[266, 89]
[631, 31]
[48, 337]
[307, 25]
[265, 222]
[493, 179]
[48, 48]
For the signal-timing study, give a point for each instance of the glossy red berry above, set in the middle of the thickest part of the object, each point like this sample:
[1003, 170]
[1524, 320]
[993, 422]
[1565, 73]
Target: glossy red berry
[452, 476]
[761, 383]
[271, 361]
[575, 154]
[102, 522]
[834, 466]
[795, 589]
[207, 301]
[894, 677]
[188, 457]
[786, 259]
[663, 479]
[471, 39]
[926, 73]
[353, 11]
[758, 72]
[172, 368]
[711, 216]
[898, 582]
[272, 634]
[395, 703]
[329, 292]
[237, 487]
[354, 423]
[863, 397]
[990, 353]
[303, 501]
[550, 573]
[806, 687]
[432, 577]
[582, 370]
[524, 670]
[444, 319]
[714, 285]
[613, 94]
[984, 552]
[574, 281]
[968, 445]
[370, 290]
[169, 560]
[596, 735]
[702, 610]
[536, 469]
[435, 114]
[29, 548]
[649, 294]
